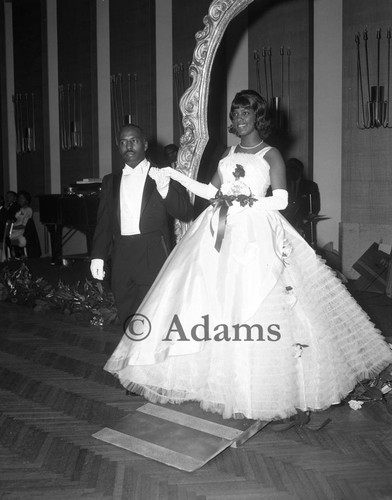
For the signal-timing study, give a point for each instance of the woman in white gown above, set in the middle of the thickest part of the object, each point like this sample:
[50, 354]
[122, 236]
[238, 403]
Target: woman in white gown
[244, 317]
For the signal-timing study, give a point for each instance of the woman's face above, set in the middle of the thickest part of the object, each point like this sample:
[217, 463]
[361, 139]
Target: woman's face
[243, 120]
[22, 201]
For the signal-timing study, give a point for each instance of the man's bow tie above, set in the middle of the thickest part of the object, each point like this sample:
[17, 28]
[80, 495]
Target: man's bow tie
[127, 170]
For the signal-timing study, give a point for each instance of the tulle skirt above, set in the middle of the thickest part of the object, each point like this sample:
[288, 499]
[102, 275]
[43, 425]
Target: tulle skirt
[259, 329]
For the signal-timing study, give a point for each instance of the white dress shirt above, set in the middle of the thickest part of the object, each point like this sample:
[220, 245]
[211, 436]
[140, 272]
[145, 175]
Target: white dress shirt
[131, 193]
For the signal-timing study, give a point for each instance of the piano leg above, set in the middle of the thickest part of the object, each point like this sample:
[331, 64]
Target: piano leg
[55, 231]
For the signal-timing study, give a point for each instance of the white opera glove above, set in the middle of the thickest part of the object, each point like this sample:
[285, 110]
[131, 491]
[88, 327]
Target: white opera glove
[278, 200]
[206, 191]
[96, 268]
[162, 180]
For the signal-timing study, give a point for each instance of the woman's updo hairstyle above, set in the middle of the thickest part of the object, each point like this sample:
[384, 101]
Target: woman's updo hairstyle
[250, 99]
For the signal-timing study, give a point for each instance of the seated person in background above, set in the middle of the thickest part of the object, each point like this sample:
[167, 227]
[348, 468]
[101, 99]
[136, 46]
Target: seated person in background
[304, 197]
[22, 216]
[170, 152]
[11, 205]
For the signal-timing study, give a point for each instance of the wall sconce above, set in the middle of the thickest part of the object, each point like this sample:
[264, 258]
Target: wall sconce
[278, 102]
[24, 122]
[373, 108]
[71, 119]
[124, 101]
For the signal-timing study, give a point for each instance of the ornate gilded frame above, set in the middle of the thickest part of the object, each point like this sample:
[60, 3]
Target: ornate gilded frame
[193, 103]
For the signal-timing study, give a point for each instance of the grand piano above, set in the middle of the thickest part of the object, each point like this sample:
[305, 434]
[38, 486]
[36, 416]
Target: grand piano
[63, 215]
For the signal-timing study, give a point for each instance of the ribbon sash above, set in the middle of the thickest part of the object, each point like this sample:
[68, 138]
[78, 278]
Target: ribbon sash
[221, 204]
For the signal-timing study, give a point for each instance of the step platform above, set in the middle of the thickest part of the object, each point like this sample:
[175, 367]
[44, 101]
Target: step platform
[182, 436]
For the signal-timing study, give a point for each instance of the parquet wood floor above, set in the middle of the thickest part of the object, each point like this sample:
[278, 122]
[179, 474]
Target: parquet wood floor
[54, 395]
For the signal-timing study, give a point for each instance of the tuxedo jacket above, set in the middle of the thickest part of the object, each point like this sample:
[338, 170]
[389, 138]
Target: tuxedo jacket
[12, 210]
[153, 214]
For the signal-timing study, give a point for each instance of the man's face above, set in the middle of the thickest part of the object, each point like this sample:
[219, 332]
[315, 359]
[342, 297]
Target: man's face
[10, 198]
[132, 146]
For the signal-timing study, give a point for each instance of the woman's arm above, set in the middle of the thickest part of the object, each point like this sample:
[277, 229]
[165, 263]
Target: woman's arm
[277, 169]
[206, 191]
[21, 221]
[216, 180]
[279, 198]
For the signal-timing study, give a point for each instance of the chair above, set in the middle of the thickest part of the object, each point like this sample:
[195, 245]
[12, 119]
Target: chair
[9, 245]
[3, 247]
[5, 252]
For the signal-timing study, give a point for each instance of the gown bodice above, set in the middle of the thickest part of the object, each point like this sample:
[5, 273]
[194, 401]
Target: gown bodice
[255, 172]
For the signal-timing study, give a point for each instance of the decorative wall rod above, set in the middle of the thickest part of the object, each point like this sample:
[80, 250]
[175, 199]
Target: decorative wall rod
[24, 116]
[71, 116]
[124, 101]
[278, 105]
[373, 112]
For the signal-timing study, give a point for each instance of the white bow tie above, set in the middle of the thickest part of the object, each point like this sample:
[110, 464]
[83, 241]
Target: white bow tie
[127, 170]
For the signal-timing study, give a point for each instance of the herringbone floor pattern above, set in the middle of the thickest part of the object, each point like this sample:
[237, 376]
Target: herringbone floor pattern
[54, 395]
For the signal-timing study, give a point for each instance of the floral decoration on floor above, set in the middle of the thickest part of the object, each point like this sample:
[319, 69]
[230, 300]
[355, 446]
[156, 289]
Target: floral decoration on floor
[86, 301]
[378, 389]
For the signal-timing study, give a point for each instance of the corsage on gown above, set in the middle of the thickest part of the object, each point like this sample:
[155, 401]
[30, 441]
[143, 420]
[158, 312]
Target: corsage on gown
[244, 317]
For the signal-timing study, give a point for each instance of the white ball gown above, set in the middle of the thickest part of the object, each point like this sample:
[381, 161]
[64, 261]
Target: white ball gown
[257, 329]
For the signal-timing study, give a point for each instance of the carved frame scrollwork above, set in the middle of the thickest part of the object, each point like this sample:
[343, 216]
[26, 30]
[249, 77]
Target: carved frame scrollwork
[194, 102]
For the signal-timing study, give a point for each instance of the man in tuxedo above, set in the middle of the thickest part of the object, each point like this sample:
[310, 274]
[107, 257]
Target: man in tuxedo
[132, 225]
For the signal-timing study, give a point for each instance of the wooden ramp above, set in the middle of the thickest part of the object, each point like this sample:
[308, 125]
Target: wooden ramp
[183, 436]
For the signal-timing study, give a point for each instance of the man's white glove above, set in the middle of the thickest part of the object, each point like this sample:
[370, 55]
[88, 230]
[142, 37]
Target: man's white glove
[161, 179]
[96, 268]
[278, 200]
[206, 191]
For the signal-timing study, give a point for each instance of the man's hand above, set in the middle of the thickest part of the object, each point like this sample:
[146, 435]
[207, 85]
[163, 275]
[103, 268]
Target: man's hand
[96, 269]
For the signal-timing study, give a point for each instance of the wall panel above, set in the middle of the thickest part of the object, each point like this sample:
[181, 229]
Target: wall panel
[366, 154]
[367, 166]
[3, 116]
[132, 51]
[28, 71]
[77, 64]
[286, 23]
